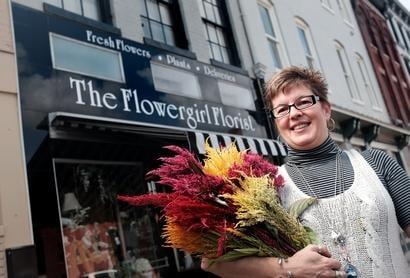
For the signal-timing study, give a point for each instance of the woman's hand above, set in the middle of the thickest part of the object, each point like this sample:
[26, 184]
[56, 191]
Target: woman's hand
[312, 261]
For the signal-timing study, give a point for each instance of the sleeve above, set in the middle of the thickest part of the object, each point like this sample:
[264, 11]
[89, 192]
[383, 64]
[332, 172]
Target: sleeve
[396, 181]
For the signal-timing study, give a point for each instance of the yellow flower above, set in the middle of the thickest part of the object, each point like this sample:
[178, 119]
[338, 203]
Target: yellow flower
[258, 202]
[219, 160]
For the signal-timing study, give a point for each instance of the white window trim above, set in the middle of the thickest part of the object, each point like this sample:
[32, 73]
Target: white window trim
[364, 73]
[348, 74]
[51, 35]
[280, 43]
[313, 56]
[345, 12]
[327, 6]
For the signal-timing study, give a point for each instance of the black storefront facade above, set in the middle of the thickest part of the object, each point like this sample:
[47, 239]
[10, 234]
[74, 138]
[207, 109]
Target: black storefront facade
[96, 111]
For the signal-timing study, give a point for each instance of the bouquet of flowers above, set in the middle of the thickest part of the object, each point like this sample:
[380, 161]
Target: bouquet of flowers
[226, 208]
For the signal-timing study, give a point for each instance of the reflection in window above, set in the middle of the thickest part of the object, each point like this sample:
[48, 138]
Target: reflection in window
[83, 58]
[159, 21]
[364, 74]
[216, 30]
[272, 36]
[347, 72]
[87, 8]
[174, 81]
[307, 43]
[237, 96]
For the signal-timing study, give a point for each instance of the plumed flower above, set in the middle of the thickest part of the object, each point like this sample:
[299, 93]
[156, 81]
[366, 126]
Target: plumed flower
[157, 200]
[255, 165]
[219, 161]
[193, 242]
[226, 208]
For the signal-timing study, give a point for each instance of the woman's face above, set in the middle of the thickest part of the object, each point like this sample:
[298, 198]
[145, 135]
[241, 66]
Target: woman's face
[302, 129]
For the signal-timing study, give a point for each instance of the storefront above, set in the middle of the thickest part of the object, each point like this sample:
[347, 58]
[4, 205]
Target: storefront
[96, 111]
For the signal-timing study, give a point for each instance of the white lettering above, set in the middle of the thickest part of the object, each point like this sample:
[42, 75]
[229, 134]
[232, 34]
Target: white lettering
[109, 96]
[94, 95]
[77, 84]
[160, 107]
[144, 108]
[173, 108]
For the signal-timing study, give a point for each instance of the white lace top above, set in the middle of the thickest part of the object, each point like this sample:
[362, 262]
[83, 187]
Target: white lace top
[364, 214]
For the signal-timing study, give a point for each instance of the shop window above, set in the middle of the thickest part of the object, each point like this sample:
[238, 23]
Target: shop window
[347, 72]
[83, 58]
[218, 31]
[271, 31]
[173, 81]
[365, 78]
[87, 8]
[307, 43]
[237, 96]
[161, 22]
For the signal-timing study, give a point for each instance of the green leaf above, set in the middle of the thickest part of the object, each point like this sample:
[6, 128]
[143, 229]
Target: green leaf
[300, 206]
[312, 235]
[235, 255]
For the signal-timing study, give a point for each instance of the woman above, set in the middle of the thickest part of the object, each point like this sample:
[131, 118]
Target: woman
[361, 197]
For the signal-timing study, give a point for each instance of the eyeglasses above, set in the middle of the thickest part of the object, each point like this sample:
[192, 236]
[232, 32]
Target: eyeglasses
[300, 103]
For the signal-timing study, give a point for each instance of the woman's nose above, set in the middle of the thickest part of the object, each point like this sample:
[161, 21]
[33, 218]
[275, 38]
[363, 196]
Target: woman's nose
[294, 112]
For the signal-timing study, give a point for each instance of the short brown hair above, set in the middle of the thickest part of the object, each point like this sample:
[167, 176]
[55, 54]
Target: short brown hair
[293, 76]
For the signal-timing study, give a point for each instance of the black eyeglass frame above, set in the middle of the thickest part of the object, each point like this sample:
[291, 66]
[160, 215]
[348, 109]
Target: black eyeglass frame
[314, 98]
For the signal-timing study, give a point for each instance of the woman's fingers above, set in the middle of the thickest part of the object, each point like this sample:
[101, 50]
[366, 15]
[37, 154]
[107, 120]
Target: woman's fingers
[323, 250]
[331, 274]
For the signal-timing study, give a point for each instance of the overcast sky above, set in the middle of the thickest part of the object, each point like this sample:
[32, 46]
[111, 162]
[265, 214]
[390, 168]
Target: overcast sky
[406, 3]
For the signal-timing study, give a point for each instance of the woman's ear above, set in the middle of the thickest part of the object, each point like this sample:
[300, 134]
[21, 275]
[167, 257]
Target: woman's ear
[327, 108]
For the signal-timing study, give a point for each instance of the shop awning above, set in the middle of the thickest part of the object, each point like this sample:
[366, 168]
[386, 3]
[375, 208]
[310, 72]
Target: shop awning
[63, 125]
[255, 145]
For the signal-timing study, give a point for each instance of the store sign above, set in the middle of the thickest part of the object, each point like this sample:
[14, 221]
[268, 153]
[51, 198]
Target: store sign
[85, 94]
[180, 93]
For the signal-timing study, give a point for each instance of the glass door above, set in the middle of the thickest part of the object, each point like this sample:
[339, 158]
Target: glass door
[102, 237]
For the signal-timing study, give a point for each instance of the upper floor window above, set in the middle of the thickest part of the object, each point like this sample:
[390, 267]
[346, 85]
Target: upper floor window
[365, 77]
[407, 64]
[217, 29]
[307, 43]
[343, 8]
[397, 32]
[87, 8]
[406, 39]
[272, 36]
[347, 72]
[160, 21]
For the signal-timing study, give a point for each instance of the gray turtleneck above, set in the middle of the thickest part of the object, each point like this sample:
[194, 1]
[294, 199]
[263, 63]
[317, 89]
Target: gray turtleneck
[318, 168]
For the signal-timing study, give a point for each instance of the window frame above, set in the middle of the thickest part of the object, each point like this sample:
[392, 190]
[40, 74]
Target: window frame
[224, 26]
[121, 64]
[364, 73]
[312, 56]
[102, 7]
[348, 73]
[277, 40]
[327, 6]
[180, 40]
[344, 11]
